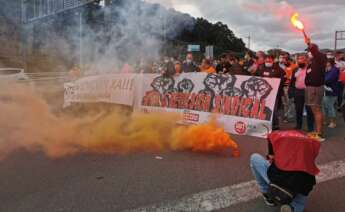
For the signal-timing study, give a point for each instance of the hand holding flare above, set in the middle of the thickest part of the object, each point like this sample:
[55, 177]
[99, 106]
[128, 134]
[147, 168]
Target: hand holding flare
[299, 25]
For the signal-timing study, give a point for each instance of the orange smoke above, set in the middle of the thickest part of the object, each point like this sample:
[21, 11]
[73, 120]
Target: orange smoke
[297, 23]
[26, 122]
[204, 138]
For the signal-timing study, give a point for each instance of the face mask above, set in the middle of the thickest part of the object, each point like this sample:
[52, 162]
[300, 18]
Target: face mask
[189, 61]
[269, 65]
[281, 60]
[310, 55]
[301, 65]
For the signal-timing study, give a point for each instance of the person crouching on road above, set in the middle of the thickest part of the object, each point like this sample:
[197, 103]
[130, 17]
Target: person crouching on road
[287, 176]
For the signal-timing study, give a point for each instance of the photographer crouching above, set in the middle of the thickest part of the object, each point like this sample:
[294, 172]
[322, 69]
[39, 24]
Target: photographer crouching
[287, 175]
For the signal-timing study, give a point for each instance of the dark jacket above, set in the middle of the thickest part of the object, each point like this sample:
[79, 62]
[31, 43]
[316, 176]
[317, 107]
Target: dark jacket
[236, 69]
[274, 72]
[189, 67]
[247, 64]
[223, 68]
[316, 75]
[331, 82]
[169, 70]
[296, 181]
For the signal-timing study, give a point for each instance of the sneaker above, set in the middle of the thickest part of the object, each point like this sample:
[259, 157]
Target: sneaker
[268, 200]
[332, 125]
[311, 134]
[286, 208]
[318, 137]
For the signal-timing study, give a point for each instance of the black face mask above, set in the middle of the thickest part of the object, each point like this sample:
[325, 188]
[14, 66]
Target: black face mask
[301, 65]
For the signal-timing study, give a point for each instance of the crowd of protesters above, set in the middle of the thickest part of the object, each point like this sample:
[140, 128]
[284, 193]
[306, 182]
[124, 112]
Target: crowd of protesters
[312, 83]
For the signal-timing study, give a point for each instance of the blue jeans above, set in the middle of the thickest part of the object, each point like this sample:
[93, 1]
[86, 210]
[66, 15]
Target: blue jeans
[259, 167]
[329, 106]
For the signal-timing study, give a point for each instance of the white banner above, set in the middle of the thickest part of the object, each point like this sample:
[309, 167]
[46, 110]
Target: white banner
[242, 104]
[110, 88]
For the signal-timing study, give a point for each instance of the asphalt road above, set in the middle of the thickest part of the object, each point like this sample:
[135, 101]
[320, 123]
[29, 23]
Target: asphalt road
[102, 183]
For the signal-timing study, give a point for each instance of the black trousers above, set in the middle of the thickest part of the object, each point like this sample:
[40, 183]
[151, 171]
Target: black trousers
[277, 107]
[299, 105]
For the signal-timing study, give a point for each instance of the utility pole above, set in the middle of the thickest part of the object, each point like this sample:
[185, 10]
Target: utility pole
[249, 39]
[339, 35]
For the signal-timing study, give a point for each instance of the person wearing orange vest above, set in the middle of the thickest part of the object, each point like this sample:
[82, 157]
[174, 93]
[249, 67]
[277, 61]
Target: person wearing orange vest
[206, 66]
[288, 68]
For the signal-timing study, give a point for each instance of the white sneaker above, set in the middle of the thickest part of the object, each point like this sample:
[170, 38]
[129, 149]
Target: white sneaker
[286, 208]
[332, 125]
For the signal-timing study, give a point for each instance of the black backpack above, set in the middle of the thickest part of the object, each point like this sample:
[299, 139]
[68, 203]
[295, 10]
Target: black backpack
[280, 195]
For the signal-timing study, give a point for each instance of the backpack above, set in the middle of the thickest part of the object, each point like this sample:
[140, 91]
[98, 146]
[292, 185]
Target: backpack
[280, 195]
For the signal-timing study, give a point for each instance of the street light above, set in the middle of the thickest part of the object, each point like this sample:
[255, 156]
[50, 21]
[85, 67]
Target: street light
[339, 35]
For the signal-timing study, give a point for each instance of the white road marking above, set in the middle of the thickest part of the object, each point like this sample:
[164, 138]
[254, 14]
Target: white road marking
[225, 197]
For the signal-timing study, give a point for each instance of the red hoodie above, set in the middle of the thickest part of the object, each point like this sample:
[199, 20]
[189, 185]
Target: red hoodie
[294, 151]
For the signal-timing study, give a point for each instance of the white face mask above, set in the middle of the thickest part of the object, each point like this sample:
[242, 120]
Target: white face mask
[269, 65]
[310, 55]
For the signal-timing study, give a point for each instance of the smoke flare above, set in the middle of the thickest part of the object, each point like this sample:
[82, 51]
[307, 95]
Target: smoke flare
[26, 122]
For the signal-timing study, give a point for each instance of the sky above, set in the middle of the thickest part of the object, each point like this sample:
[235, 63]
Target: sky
[268, 21]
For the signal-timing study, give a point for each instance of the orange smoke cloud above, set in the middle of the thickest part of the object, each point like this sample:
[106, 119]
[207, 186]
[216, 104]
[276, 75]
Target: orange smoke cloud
[204, 138]
[26, 122]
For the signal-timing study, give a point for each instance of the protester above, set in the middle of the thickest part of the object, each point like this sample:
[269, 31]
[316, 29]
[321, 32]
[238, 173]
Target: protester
[74, 73]
[127, 68]
[168, 69]
[189, 65]
[297, 92]
[343, 111]
[224, 66]
[248, 61]
[259, 63]
[290, 168]
[340, 64]
[288, 67]
[270, 70]
[236, 68]
[331, 92]
[178, 68]
[206, 66]
[329, 55]
[315, 80]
